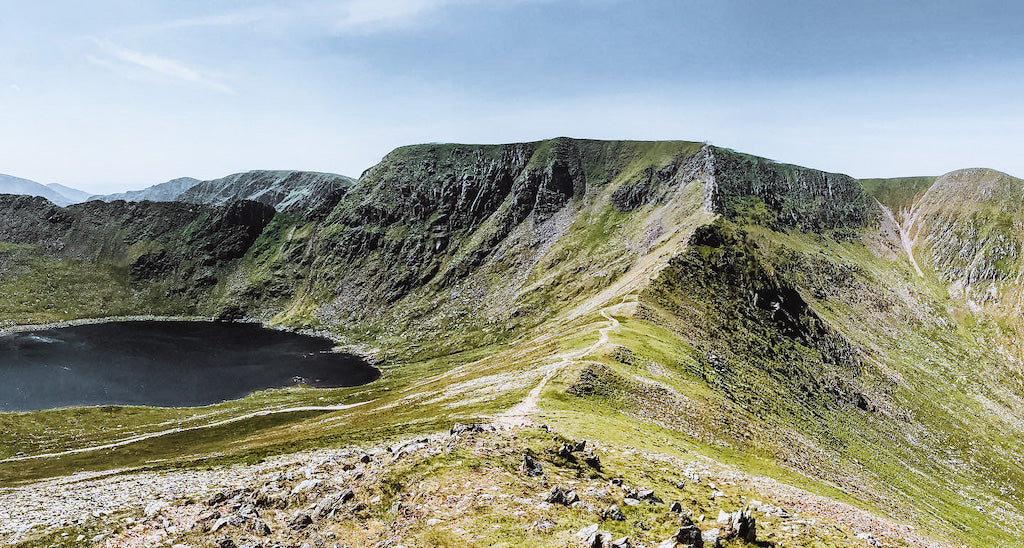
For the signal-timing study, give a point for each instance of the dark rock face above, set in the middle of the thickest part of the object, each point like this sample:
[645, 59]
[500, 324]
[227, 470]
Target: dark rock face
[412, 206]
[33, 220]
[182, 244]
[646, 190]
[783, 196]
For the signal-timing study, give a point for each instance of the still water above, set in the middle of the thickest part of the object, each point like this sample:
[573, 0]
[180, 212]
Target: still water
[163, 363]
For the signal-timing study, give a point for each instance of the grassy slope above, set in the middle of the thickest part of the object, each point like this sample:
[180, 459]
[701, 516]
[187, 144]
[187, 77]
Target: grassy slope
[897, 193]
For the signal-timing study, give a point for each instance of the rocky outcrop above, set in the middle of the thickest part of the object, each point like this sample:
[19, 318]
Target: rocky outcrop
[782, 196]
[33, 220]
[967, 228]
[182, 245]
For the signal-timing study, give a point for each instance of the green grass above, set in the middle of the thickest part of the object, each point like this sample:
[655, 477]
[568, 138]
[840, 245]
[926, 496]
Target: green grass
[897, 193]
[39, 289]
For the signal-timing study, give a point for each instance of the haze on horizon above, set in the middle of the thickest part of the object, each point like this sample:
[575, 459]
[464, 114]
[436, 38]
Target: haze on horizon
[113, 95]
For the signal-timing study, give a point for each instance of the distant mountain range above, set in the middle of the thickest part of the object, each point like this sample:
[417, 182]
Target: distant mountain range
[278, 189]
[58, 194]
[282, 190]
[163, 192]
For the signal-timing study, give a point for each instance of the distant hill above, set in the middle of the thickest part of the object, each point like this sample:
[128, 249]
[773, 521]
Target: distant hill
[163, 192]
[280, 189]
[73, 194]
[16, 185]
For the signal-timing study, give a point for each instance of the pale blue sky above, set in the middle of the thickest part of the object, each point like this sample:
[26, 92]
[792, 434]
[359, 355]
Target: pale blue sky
[108, 95]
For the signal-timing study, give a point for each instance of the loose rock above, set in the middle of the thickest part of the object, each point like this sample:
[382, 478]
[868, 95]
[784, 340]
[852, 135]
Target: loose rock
[300, 521]
[545, 527]
[559, 495]
[614, 513]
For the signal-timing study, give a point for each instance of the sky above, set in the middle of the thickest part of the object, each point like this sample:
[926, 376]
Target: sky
[110, 95]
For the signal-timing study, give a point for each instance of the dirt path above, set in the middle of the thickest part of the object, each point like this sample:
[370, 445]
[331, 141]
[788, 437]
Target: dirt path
[522, 413]
[134, 439]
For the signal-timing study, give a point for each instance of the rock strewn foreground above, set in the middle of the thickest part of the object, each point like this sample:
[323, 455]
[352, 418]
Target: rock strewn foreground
[472, 486]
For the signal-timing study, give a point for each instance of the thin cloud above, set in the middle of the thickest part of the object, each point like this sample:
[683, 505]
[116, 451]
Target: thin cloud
[135, 64]
[370, 16]
[333, 17]
[226, 19]
[367, 16]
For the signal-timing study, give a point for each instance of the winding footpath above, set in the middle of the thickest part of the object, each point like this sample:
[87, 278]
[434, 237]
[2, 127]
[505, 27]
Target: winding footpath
[522, 413]
[142, 437]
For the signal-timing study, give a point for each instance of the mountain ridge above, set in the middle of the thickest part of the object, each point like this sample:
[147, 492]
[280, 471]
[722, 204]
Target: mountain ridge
[10, 184]
[674, 298]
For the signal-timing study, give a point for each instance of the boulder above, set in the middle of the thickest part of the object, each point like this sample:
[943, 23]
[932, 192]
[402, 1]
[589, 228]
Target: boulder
[459, 429]
[614, 513]
[587, 531]
[560, 495]
[154, 508]
[545, 527]
[261, 528]
[530, 466]
[689, 534]
[740, 524]
[300, 521]
[712, 539]
[690, 537]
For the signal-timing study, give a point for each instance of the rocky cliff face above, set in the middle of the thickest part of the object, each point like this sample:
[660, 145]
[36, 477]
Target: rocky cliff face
[969, 228]
[460, 231]
[783, 196]
[180, 247]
